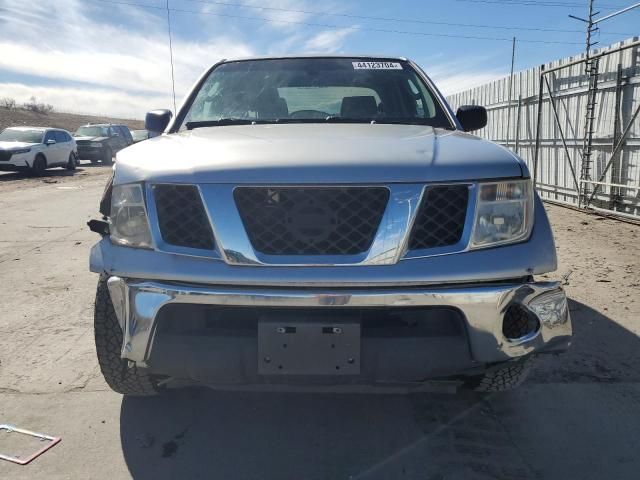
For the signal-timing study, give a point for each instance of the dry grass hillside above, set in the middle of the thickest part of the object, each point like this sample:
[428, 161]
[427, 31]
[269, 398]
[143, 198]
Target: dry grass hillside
[68, 121]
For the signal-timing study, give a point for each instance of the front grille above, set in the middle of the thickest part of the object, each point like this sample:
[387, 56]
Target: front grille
[181, 216]
[311, 220]
[440, 220]
[5, 155]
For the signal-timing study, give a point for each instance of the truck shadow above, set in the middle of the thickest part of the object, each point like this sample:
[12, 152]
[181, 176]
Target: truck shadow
[201, 433]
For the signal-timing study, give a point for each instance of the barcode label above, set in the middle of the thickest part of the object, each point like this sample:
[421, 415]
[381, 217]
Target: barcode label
[376, 66]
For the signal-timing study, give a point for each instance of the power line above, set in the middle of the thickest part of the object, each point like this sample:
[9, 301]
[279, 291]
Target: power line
[341, 27]
[535, 3]
[389, 19]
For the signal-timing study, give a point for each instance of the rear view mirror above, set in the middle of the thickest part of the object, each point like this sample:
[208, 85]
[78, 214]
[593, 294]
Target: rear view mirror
[472, 117]
[157, 120]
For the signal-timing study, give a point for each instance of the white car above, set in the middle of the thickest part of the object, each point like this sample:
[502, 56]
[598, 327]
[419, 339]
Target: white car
[34, 149]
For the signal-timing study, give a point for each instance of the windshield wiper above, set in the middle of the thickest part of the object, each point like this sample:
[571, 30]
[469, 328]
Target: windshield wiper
[404, 121]
[224, 121]
[330, 119]
[336, 119]
[395, 121]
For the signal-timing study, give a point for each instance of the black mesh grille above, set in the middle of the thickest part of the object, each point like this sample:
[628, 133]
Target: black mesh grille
[518, 322]
[441, 217]
[183, 221]
[311, 220]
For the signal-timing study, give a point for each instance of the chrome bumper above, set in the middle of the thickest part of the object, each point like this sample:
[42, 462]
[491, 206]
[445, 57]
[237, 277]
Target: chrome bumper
[137, 304]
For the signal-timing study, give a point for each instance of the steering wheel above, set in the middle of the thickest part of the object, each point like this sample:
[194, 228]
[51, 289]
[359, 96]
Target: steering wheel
[309, 114]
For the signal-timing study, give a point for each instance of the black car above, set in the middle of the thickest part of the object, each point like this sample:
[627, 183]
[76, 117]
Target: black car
[99, 142]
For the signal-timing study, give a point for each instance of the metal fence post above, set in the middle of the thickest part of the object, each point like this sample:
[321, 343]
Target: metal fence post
[614, 192]
[538, 125]
[517, 148]
[513, 57]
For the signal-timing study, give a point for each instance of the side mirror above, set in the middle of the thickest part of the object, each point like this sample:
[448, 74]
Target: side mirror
[51, 141]
[472, 117]
[157, 120]
[116, 134]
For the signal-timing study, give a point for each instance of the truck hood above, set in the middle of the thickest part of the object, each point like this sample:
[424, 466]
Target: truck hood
[16, 145]
[315, 153]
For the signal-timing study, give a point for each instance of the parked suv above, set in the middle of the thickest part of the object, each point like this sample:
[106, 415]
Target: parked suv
[322, 223]
[100, 142]
[34, 149]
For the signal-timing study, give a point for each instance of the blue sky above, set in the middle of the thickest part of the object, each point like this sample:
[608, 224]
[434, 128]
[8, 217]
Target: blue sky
[112, 56]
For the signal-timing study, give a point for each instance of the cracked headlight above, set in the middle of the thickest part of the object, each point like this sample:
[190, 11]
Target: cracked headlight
[129, 224]
[551, 308]
[504, 213]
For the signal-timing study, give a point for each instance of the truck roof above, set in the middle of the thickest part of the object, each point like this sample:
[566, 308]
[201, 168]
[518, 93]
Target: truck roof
[25, 127]
[279, 57]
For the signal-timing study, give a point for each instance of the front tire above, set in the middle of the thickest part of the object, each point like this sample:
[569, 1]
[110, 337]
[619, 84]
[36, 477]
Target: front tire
[107, 156]
[502, 378]
[119, 375]
[39, 166]
[72, 162]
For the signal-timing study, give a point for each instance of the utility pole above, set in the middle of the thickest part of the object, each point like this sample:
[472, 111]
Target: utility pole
[591, 70]
[173, 80]
[513, 57]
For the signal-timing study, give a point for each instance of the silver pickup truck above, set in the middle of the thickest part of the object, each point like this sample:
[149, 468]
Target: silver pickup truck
[322, 223]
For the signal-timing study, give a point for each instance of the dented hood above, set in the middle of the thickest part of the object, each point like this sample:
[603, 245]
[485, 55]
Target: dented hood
[315, 153]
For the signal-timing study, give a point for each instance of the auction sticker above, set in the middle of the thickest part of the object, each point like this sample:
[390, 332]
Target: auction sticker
[376, 66]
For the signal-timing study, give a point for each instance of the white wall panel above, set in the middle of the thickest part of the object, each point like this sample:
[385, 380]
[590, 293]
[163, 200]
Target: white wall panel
[569, 87]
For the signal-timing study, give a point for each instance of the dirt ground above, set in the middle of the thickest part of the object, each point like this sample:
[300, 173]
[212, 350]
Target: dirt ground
[576, 416]
[67, 121]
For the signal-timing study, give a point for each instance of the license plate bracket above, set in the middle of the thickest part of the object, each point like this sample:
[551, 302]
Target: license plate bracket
[308, 348]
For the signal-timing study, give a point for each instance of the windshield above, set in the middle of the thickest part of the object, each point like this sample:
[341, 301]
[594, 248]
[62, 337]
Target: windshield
[15, 135]
[91, 132]
[315, 90]
[139, 134]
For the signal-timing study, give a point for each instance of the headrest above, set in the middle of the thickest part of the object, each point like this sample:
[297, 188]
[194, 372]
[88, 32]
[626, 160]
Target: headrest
[270, 105]
[359, 107]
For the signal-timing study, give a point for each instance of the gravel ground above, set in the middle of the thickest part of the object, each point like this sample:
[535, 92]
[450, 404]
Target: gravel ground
[576, 417]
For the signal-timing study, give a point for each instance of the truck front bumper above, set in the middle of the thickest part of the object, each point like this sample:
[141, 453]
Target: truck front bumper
[86, 152]
[482, 309]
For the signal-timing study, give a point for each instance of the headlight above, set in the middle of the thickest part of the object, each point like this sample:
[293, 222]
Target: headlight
[129, 224]
[551, 308]
[96, 144]
[504, 213]
[21, 150]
